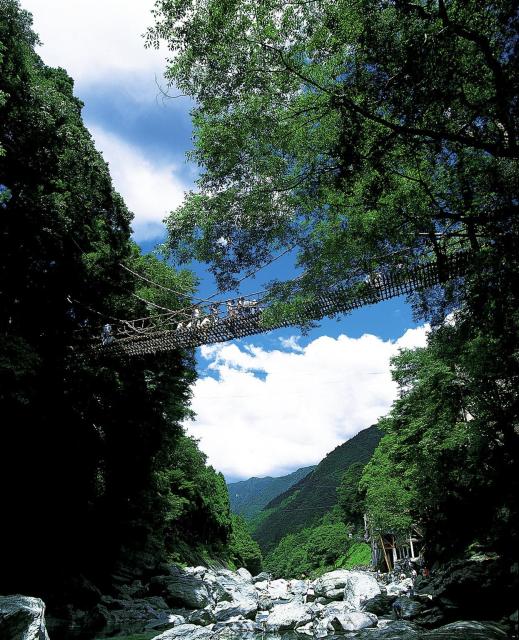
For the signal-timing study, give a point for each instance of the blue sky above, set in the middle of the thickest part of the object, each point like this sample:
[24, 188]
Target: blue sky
[268, 404]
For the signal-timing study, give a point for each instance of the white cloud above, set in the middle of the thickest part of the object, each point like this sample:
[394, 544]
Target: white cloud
[96, 40]
[150, 188]
[269, 412]
[292, 343]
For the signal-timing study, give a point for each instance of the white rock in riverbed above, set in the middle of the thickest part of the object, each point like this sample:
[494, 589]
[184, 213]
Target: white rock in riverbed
[246, 575]
[288, 616]
[360, 586]
[186, 632]
[331, 585]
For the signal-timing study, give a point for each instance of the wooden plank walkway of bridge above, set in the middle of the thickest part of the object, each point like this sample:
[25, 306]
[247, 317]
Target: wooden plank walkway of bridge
[156, 334]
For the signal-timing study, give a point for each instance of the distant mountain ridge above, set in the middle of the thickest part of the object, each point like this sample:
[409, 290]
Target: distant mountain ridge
[306, 501]
[248, 497]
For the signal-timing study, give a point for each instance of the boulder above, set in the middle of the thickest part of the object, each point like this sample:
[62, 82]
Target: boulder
[380, 604]
[198, 571]
[186, 632]
[126, 616]
[22, 618]
[468, 630]
[229, 587]
[238, 626]
[261, 616]
[278, 590]
[307, 629]
[410, 608]
[400, 587]
[288, 616]
[265, 602]
[227, 610]
[359, 587]
[310, 595]
[405, 630]
[340, 617]
[184, 587]
[201, 616]
[353, 621]
[467, 589]
[246, 575]
[394, 630]
[298, 589]
[261, 577]
[331, 585]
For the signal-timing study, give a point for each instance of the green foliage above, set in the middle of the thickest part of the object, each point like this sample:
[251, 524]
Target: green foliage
[349, 497]
[359, 555]
[366, 135]
[310, 550]
[248, 497]
[307, 501]
[96, 441]
[243, 550]
[449, 457]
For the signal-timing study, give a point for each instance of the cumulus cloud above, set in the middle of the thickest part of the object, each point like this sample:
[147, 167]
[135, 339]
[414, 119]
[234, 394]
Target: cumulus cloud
[292, 343]
[262, 412]
[150, 188]
[96, 40]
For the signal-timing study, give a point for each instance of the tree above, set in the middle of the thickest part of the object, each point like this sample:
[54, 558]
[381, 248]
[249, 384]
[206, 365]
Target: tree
[361, 135]
[349, 497]
[449, 458]
[93, 452]
[244, 551]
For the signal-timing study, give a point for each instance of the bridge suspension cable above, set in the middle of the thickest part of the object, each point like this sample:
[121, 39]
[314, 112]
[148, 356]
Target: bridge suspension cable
[243, 316]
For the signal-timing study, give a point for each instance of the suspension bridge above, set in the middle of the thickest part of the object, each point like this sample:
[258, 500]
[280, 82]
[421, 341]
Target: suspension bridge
[244, 316]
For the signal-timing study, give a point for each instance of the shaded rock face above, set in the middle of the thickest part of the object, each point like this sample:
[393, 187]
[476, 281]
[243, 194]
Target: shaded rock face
[183, 588]
[404, 630]
[468, 630]
[125, 616]
[22, 618]
[398, 630]
[481, 589]
[380, 604]
[410, 608]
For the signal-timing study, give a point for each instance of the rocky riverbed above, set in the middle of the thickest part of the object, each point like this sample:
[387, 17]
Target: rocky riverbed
[198, 603]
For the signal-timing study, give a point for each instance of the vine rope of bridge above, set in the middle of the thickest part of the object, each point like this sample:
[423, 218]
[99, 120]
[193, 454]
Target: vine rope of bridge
[164, 332]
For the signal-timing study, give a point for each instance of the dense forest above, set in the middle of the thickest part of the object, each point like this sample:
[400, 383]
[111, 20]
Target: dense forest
[248, 497]
[317, 524]
[362, 137]
[366, 137]
[311, 498]
[99, 482]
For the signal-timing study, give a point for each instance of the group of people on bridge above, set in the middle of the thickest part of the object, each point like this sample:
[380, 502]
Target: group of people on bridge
[201, 318]
[239, 308]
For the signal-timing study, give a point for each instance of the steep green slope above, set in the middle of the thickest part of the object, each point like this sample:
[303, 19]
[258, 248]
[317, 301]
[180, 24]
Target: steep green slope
[308, 500]
[248, 497]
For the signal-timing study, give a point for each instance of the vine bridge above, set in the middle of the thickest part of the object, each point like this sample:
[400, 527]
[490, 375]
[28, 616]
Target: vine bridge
[244, 316]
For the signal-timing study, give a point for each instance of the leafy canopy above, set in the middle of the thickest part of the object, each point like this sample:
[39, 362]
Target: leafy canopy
[361, 134]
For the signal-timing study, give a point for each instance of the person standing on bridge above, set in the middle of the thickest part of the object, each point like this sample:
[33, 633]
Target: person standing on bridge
[106, 335]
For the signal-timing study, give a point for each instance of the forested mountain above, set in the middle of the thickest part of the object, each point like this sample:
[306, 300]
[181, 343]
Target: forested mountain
[99, 482]
[313, 496]
[248, 497]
